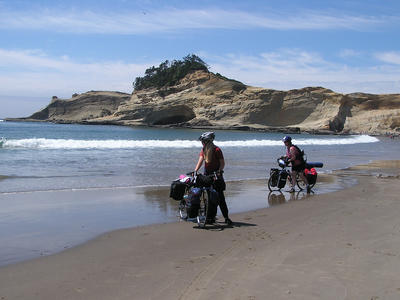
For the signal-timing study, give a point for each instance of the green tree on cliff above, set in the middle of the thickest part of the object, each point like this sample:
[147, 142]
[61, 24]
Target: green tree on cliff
[169, 73]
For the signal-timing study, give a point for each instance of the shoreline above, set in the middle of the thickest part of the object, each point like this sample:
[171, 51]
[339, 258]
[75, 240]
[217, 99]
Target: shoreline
[342, 244]
[248, 128]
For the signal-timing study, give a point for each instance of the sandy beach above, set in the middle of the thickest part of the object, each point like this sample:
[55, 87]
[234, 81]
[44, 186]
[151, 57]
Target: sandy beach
[340, 245]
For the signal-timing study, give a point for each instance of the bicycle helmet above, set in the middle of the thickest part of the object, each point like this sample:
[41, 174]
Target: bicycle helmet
[207, 136]
[287, 139]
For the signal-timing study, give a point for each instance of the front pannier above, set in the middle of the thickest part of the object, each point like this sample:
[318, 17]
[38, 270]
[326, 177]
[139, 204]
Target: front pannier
[282, 178]
[274, 175]
[177, 190]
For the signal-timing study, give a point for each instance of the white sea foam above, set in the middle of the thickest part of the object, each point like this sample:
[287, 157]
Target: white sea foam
[359, 139]
[42, 143]
[355, 139]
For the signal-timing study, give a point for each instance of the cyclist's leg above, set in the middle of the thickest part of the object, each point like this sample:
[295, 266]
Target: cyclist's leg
[305, 180]
[294, 174]
[224, 207]
[292, 180]
[222, 204]
[303, 177]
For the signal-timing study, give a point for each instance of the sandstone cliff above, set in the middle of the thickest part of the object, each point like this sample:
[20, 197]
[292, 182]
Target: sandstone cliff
[203, 99]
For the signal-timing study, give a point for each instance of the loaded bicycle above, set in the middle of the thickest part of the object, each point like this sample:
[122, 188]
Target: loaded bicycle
[198, 199]
[278, 177]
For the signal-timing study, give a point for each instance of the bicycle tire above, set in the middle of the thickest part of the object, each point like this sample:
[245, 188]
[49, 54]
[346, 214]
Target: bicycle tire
[301, 184]
[183, 210]
[203, 210]
[272, 188]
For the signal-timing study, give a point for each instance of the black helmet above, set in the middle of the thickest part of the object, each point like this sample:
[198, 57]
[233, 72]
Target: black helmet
[287, 139]
[207, 136]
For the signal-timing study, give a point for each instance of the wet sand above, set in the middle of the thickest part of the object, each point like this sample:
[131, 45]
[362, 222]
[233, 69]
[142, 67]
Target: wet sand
[340, 245]
[35, 224]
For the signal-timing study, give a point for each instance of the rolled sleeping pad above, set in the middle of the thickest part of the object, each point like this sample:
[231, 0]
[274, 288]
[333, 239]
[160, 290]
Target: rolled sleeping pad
[314, 165]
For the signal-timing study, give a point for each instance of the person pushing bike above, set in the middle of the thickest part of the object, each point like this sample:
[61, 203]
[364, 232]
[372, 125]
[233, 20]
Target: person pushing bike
[214, 162]
[295, 156]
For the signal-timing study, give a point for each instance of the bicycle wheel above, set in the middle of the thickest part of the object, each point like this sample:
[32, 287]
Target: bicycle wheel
[183, 207]
[272, 188]
[301, 184]
[203, 210]
[183, 210]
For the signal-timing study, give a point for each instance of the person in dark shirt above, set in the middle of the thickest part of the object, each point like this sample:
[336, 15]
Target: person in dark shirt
[295, 157]
[213, 159]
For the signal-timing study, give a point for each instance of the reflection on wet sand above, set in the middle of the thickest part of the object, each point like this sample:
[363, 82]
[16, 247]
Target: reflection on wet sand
[241, 195]
[277, 197]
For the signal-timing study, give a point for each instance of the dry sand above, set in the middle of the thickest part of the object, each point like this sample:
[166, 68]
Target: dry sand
[341, 245]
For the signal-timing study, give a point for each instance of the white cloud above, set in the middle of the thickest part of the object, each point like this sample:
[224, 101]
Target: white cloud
[35, 74]
[32, 73]
[178, 19]
[290, 69]
[349, 53]
[389, 57]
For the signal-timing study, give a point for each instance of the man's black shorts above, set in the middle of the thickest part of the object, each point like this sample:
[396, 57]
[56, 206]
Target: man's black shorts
[299, 168]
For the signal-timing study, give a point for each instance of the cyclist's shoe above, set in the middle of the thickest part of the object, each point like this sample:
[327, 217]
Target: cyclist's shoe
[228, 221]
[292, 190]
[308, 189]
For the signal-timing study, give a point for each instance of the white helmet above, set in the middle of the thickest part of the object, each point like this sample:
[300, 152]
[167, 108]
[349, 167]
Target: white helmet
[207, 136]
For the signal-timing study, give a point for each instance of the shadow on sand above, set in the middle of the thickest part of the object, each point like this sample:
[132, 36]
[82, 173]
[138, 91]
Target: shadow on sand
[219, 226]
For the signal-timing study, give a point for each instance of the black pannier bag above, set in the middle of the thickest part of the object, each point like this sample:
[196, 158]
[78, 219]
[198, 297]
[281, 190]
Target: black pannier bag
[219, 184]
[282, 179]
[193, 210]
[203, 180]
[311, 178]
[311, 175]
[177, 190]
[274, 175]
[193, 202]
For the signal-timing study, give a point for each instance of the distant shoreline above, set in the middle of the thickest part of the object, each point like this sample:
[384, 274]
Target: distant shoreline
[255, 128]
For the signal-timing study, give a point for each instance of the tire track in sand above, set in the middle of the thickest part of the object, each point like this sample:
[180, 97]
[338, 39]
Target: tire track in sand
[198, 285]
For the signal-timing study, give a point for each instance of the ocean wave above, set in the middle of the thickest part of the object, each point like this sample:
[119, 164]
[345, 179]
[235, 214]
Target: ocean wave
[42, 143]
[350, 140]
[354, 139]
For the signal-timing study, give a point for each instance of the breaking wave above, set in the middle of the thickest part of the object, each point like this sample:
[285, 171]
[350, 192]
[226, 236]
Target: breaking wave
[42, 143]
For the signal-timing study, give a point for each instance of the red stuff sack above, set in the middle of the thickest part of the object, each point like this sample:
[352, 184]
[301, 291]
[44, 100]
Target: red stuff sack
[311, 175]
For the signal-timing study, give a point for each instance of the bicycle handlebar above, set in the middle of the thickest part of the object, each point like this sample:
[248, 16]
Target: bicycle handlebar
[215, 173]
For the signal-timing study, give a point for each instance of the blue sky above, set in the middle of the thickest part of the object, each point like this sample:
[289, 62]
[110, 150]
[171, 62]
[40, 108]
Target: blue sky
[57, 48]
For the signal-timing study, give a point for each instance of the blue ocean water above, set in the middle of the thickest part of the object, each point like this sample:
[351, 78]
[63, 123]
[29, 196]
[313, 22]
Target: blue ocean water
[46, 156]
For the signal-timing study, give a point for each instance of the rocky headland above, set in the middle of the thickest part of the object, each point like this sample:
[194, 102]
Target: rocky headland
[203, 99]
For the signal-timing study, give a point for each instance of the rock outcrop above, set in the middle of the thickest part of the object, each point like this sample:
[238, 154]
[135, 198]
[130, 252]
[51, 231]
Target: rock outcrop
[203, 99]
[81, 108]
